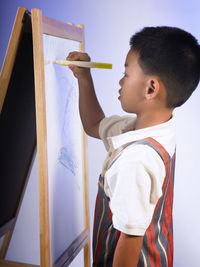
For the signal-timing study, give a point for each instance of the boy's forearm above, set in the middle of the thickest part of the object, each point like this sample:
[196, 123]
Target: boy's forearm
[90, 110]
[127, 251]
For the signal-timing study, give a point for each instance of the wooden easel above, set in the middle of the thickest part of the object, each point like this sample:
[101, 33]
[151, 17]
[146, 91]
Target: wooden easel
[35, 25]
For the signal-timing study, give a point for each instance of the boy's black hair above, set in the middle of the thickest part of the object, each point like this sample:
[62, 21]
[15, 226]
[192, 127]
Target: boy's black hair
[173, 55]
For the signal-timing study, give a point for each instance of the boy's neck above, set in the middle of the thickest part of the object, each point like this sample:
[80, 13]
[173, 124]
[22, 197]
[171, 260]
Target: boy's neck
[152, 118]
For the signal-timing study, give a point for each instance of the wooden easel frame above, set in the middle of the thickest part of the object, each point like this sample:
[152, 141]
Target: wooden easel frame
[43, 25]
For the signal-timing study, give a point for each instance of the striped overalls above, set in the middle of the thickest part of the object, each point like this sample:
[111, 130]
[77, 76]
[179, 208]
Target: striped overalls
[157, 249]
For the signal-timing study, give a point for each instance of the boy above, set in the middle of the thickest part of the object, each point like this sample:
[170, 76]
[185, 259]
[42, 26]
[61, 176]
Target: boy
[133, 214]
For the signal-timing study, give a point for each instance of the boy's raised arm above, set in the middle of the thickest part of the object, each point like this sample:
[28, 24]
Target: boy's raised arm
[90, 111]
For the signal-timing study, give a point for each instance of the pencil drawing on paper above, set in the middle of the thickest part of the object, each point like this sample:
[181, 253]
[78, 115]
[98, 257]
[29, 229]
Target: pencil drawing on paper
[66, 160]
[63, 116]
[66, 153]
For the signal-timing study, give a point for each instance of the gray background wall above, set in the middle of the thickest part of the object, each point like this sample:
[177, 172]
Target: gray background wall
[108, 27]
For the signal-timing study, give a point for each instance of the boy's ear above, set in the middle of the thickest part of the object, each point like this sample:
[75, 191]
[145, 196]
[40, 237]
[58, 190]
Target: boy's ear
[152, 89]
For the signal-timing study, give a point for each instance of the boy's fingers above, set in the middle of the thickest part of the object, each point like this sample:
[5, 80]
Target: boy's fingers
[72, 67]
[78, 56]
[72, 55]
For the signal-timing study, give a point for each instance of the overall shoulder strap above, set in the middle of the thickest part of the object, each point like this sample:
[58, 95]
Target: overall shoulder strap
[149, 141]
[157, 147]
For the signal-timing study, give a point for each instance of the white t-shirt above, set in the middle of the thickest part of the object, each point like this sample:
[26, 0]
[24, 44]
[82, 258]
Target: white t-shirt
[133, 175]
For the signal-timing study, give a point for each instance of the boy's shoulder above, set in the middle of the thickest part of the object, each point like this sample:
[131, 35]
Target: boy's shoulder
[141, 153]
[117, 131]
[116, 125]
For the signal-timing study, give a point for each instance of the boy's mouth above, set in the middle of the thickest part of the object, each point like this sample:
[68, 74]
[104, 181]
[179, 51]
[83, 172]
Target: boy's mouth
[119, 97]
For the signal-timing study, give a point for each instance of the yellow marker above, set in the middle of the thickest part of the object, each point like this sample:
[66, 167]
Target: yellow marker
[84, 64]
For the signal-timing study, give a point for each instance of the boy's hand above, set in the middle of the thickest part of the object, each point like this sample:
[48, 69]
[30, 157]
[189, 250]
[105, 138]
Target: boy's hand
[79, 72]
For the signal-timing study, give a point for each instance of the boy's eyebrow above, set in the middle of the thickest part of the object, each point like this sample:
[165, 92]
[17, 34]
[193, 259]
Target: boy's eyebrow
[125, 65]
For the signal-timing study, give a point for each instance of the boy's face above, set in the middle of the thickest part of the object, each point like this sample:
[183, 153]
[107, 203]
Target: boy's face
[133, 85]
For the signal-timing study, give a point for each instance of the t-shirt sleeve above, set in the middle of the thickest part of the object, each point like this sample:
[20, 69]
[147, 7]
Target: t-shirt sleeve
[134, 188]
[115, 125]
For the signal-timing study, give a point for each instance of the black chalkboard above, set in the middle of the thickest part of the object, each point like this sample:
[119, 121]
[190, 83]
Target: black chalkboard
[17, 130]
